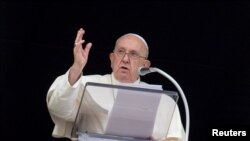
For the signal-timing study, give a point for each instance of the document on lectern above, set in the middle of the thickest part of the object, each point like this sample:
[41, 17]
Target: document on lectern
[134, 112]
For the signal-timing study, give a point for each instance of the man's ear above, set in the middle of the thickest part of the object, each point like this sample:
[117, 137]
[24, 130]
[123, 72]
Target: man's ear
[146, 63]
[111, 58]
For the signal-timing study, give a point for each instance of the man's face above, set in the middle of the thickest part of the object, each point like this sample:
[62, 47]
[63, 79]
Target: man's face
[129, 54]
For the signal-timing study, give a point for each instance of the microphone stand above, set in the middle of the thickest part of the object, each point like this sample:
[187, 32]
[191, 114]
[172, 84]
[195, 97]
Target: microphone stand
[153, 69]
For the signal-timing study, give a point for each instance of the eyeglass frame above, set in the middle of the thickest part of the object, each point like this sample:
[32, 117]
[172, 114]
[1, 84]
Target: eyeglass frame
[121, 53]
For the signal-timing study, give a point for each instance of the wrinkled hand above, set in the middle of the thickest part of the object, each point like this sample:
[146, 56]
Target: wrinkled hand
[80, 57]
[81, 54]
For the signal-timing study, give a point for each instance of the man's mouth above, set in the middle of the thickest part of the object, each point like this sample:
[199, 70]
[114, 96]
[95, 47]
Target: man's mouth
[124, 68]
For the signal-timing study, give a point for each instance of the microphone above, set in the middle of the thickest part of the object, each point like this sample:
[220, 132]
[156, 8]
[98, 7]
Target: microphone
[143, 71]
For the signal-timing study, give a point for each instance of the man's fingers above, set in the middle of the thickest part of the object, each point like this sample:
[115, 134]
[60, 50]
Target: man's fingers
[79, 42]
[88, 46]
[79, 35]
[87, 49]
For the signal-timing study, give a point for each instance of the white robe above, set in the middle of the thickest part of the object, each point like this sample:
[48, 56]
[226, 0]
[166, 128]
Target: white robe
[63, 101]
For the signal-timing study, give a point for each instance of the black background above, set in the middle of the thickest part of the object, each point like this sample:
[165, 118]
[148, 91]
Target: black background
[203, 45]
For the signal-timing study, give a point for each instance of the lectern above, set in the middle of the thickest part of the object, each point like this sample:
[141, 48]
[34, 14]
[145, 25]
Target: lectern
[124, 112]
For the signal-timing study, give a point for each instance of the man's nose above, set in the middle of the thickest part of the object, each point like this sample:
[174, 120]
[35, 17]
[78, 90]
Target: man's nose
[125, 57]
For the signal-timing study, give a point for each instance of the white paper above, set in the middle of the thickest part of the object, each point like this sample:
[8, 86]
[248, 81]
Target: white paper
[134, 112]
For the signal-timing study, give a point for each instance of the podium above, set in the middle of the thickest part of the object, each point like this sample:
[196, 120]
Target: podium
[124, 112]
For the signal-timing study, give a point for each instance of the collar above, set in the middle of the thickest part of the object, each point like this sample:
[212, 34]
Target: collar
[117, 82]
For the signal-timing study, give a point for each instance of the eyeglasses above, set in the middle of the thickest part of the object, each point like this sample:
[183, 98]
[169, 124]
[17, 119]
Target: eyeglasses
[132, 55]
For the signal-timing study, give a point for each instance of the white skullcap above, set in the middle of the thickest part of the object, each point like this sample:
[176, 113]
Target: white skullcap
[141, 38]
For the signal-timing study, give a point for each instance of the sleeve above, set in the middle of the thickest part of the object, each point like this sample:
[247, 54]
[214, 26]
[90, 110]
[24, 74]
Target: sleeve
[176, 127]
[63, 99]
[168, 123]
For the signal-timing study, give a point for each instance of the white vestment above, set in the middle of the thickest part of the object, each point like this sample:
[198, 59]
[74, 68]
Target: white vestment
[63, 101]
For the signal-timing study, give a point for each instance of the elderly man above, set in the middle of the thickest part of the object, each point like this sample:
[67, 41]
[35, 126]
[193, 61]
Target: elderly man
[130, 53]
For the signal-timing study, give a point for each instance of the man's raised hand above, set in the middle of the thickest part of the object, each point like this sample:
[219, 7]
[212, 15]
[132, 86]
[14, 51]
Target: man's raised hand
[80, 57]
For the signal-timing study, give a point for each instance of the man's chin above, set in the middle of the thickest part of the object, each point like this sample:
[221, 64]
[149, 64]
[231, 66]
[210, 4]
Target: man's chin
[123, 77]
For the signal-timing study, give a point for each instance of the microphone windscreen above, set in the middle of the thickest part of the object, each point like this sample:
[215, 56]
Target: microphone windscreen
[143, 71]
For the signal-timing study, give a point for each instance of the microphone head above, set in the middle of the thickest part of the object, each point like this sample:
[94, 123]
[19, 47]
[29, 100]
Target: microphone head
[143, 71]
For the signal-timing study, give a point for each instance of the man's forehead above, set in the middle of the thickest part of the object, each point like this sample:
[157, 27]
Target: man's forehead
[134, 36]
[128, 47]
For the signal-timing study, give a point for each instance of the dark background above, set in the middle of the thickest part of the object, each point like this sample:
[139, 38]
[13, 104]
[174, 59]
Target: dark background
[203, 45]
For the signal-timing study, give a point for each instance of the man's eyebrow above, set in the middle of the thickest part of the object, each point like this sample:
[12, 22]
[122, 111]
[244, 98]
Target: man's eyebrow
[134, 52]
[124, 48]
[119, 47]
